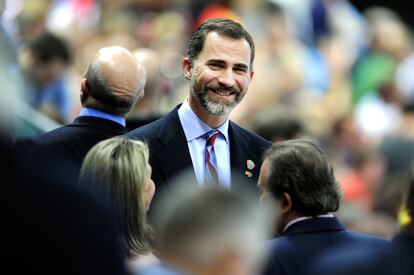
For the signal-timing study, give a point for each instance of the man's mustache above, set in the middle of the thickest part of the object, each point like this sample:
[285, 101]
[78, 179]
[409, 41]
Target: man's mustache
[223, 88]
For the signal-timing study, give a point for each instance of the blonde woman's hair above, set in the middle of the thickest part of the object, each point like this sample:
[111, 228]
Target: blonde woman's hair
[117, 167]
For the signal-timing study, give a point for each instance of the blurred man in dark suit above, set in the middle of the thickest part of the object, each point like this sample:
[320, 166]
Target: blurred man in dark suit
[111, 85]
[296, 175]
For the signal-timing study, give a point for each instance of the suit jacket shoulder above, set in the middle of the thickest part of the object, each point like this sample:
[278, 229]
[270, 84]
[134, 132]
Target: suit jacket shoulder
[62, 150]
[298, 246]
[92, 126]
[359, 259]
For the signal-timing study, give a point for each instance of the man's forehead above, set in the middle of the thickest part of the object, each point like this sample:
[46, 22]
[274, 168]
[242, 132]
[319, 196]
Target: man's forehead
[221, 47]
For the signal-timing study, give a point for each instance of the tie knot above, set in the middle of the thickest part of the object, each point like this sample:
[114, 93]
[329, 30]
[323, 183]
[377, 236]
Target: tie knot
[211, 137]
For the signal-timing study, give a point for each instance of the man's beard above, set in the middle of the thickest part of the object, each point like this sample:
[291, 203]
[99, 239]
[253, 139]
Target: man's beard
[215, 107]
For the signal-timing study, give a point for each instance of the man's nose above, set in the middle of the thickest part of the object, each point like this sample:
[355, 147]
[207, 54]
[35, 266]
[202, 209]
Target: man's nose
[226, 78]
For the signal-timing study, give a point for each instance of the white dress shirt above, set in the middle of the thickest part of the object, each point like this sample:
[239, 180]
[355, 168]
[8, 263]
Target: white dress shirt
[194, 130]
[305, 218]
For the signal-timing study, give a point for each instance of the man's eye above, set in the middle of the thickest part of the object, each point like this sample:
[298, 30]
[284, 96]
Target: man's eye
[240, 70]
[214, 66]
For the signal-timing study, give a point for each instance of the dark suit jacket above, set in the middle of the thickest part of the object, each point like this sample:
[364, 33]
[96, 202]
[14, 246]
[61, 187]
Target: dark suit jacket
[294, 251]
[62, 150]
[66, 229]
[357, 259]
[169, 153]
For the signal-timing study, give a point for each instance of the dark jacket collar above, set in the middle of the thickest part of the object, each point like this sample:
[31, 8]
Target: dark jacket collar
[99, 123]
[172, 137]
[171, 127]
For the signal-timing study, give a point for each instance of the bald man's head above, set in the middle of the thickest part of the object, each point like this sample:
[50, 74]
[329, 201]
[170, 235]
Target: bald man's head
[113, 81]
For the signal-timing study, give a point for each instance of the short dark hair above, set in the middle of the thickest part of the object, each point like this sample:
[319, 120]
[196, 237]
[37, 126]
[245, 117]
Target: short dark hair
[105, 97]
[222, 26]
[301, 169]
[48, 47]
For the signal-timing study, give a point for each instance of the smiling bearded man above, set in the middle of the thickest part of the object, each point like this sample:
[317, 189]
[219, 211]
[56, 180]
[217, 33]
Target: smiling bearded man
[198, 135]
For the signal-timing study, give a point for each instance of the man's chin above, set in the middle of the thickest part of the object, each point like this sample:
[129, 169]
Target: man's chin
[218, 110]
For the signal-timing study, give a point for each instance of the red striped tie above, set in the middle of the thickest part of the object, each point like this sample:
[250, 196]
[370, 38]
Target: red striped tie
[211, 175]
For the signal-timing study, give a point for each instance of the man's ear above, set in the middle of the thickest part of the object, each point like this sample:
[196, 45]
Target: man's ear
[187, 68]
[286, 213]
[84, 86]
[286, 203]
[141, 94]
[84, 90]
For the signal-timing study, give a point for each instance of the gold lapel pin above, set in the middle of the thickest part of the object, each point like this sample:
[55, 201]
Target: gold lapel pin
[248, 173]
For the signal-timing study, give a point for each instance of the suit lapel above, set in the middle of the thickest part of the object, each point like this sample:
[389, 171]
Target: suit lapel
[240, 154]
[175, 157]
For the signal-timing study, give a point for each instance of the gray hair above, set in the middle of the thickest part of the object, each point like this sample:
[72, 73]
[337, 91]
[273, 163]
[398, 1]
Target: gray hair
[200, 223]
[105, 97]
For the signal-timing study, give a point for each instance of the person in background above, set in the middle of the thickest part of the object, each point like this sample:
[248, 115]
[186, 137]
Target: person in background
[112, 83]
[148, 108]
[44, 60]
[118, 169]
[277, 124]
[207, 231]
[296, 175]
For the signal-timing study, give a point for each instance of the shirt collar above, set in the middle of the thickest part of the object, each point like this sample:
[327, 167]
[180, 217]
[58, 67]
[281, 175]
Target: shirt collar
[87, 111]
[305, 218]
[194, 127]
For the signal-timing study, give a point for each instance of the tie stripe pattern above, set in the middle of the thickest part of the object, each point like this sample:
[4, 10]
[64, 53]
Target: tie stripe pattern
[211, 175]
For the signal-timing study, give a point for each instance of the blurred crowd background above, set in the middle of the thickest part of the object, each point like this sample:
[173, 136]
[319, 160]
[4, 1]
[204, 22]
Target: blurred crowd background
[325, 69]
